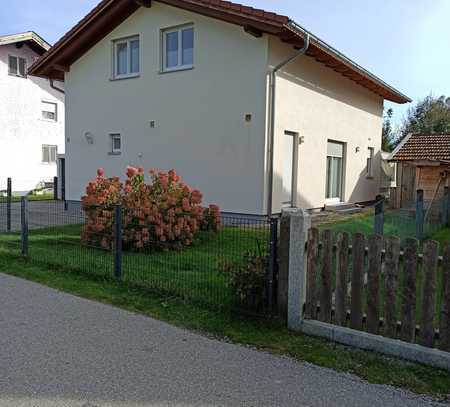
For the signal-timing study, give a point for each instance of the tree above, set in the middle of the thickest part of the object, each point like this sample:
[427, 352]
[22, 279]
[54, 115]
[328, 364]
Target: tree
[429, 115]
[388, 142]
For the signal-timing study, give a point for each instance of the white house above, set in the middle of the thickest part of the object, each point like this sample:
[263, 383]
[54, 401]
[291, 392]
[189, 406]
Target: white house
[31, 115]
[187, 84]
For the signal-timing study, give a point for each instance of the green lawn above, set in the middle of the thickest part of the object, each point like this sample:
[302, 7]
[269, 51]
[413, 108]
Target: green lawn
[269, 335]
[191, 273]
[396, 223]
[442, 236]
[44, 197]
[399, 223]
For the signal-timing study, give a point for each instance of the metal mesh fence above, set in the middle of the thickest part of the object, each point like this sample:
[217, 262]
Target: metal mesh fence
[9, 225]
[422, 220]
[400, 222]
[434, 216]
[207, 269]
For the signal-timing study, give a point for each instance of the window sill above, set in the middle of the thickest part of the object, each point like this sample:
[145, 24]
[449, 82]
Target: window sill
[114, 153]
[181, 68]
[48, 120]
[119, 78]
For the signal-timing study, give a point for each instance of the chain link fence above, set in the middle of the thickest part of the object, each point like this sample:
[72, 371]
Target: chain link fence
[232, 267]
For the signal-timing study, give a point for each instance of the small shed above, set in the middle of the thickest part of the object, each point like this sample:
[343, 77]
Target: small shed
[423, 162]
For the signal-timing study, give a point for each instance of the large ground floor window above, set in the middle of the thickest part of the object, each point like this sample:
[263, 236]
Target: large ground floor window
[335, 170]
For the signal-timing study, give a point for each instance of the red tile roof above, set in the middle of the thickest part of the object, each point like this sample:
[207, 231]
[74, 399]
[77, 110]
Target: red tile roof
[424, 147]
[250, 11]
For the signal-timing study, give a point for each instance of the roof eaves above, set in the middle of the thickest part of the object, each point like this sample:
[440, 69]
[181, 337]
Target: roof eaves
[25, 36]
[346, 60]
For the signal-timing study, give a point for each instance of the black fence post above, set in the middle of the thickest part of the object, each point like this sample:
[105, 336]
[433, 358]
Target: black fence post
[118, 242]
[8, 204]
[379, 215]
[446, 208]
[55, 188]
[272, 267]
[24, 225]
[420, 214]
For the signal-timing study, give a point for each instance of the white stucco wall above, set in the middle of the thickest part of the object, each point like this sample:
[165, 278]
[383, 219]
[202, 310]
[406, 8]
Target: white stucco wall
[22, 129]
[322, 105]
[199, 114]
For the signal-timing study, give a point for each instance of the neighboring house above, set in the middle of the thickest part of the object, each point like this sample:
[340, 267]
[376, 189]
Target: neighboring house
[185, 84]
[423, 162]
[31, 115]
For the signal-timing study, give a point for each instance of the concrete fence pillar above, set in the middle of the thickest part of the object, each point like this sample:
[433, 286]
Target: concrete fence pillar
[295, 224]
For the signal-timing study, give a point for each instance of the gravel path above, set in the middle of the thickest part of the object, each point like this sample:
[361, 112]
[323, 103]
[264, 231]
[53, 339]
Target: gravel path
[60, 350]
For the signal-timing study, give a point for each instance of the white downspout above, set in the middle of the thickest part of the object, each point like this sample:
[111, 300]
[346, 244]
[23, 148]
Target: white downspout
[272, 111]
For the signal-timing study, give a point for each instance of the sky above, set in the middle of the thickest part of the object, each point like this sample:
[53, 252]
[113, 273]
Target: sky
[404, 42]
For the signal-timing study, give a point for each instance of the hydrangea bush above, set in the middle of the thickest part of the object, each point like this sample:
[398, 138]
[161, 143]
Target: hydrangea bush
[163, 213]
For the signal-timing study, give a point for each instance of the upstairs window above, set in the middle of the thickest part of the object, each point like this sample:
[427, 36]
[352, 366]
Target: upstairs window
[49, 154]
[126, 54]
[17, 66]
[178, 48]
[49, 111]
[369, 167]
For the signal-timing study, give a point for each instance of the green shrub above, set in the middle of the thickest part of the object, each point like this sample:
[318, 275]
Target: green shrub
[247, 278]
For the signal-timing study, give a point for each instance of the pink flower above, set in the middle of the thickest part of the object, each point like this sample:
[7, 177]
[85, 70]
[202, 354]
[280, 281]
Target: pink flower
[131, 172]
[185, 205]
[196, 197]
[163, 179]
[173, 176]
[100, 172]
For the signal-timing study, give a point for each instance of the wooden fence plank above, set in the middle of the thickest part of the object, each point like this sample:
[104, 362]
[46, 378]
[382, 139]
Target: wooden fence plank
[429, 270]
[358, 254]
[373, 283]
[311, 274]
[341, 278]
[444, 327]
[391, 266]
[409, 290]
[325, 283]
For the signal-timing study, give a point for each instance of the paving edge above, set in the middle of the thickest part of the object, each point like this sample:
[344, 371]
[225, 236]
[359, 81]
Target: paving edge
[376, 343]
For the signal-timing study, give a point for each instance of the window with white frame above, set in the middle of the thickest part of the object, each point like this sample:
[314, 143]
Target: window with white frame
[49, 111]
[17, 66]
[178, 48]
[126, 57]
[116, 143]
[49, 153]
[369, 167]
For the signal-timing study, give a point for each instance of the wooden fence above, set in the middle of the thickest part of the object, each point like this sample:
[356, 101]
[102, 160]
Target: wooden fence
[370, 284]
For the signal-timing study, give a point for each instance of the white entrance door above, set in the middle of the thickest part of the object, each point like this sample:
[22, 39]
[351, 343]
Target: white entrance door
[290, 168]
[335, 171]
